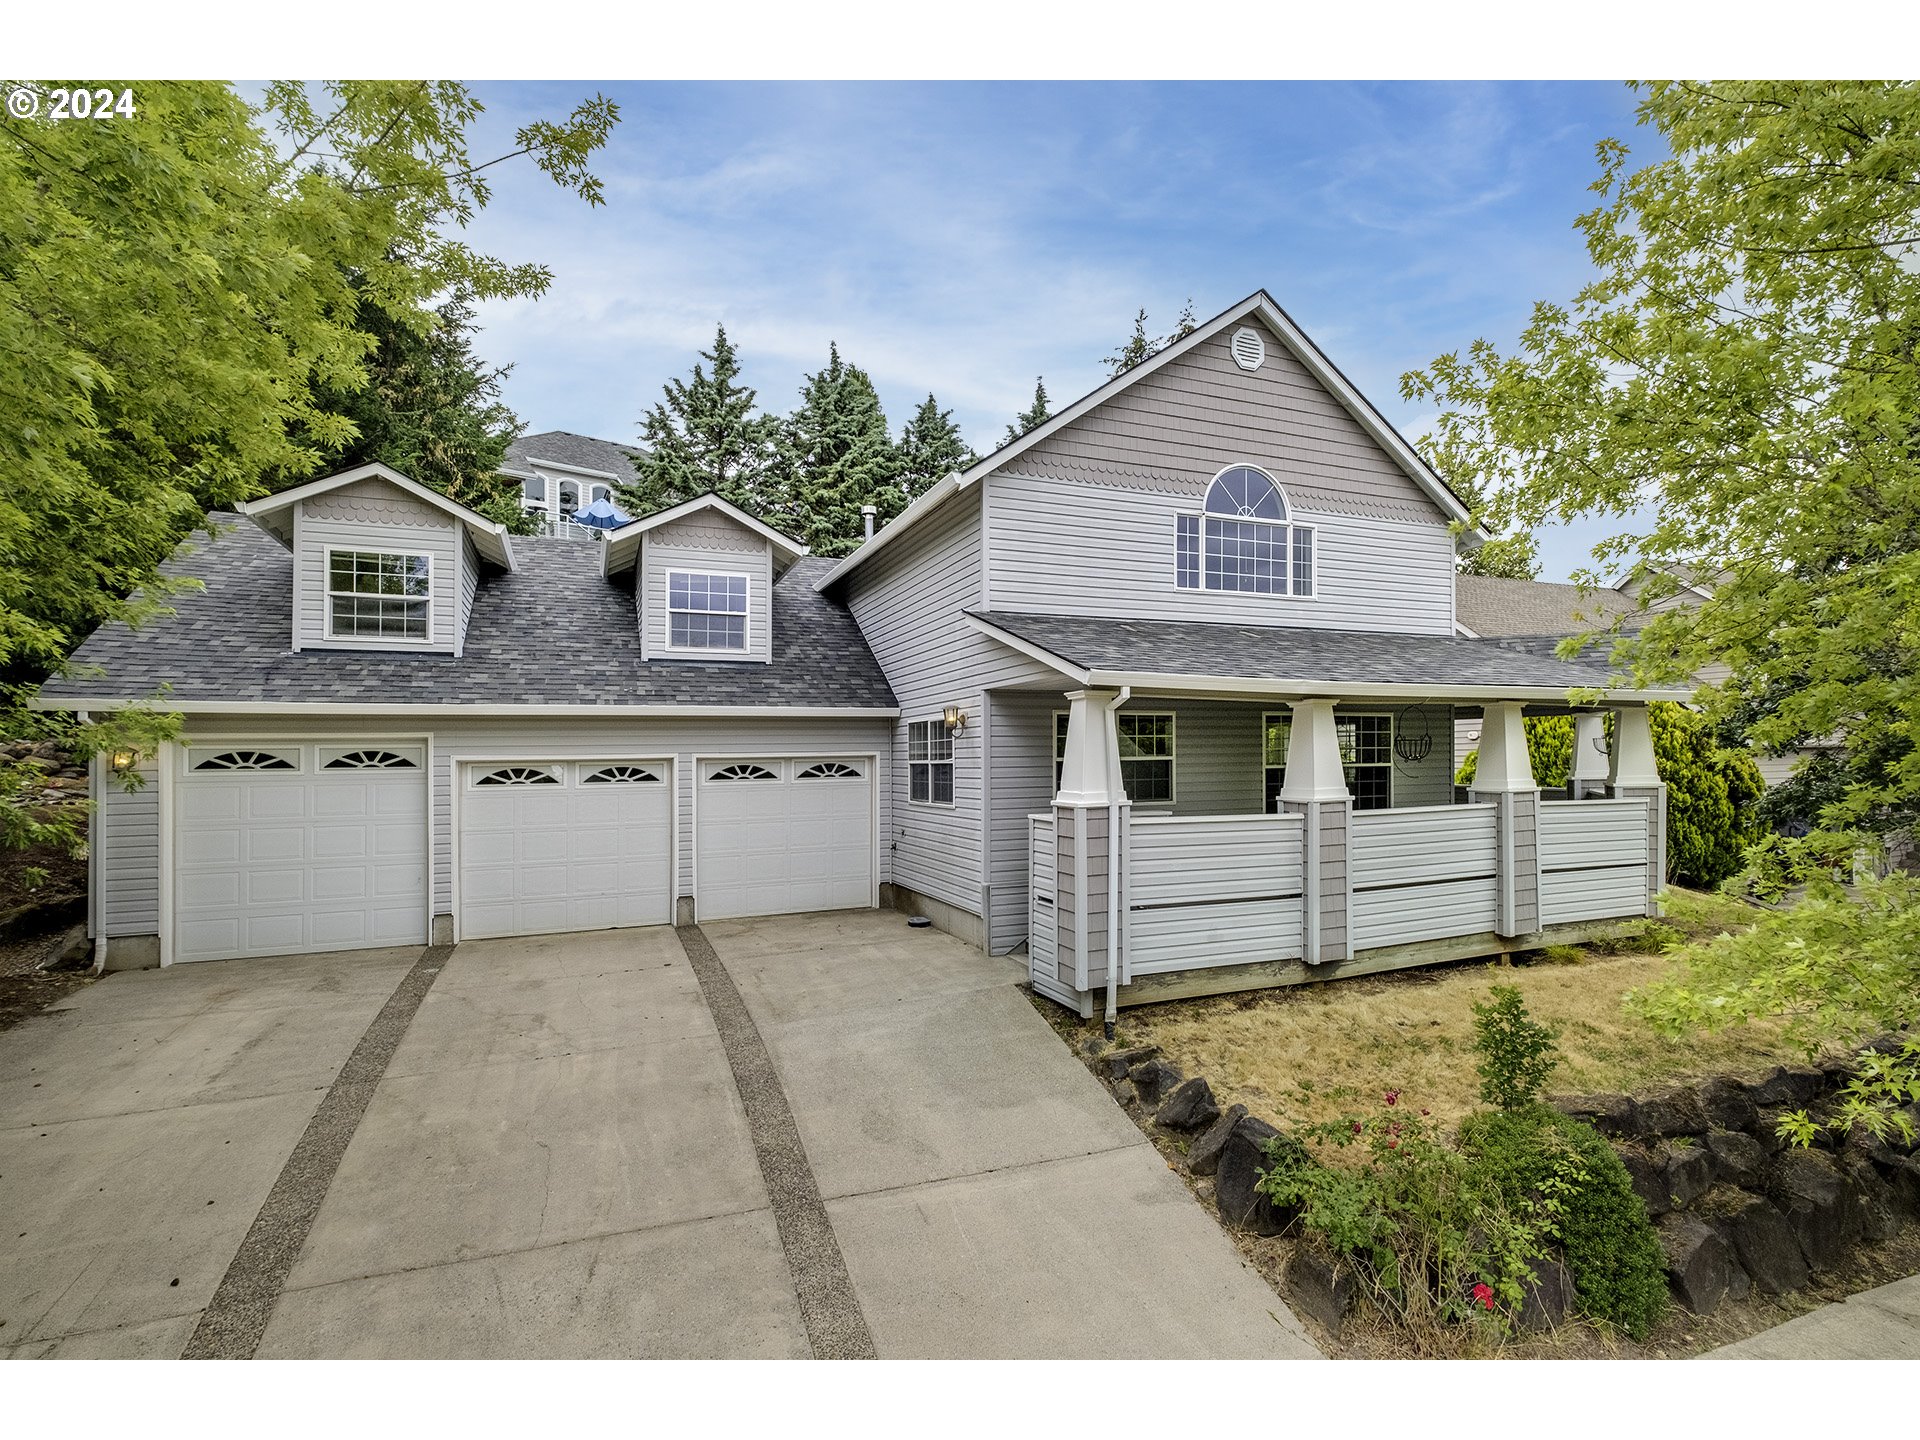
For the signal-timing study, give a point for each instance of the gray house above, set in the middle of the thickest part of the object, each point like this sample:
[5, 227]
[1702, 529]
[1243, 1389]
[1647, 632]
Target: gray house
[560, 473]
[1162, 695]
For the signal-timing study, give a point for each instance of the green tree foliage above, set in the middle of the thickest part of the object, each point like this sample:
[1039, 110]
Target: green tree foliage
[1742, 371]
[1503, 557]
[1517, 1053]
[1034, 416]
[431, 409]
[1713, 794]
[1141, 346]
[177, 302]
[930, 449]
[836, 454]
[706, 434]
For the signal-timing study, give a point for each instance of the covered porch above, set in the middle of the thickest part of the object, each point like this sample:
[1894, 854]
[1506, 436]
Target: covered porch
[1286, 835]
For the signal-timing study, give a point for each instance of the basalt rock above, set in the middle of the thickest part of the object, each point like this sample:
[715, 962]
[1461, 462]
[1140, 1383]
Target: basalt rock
[1152, 1080]
[1764, 1243]
[1700, 1263]
[1203, 1155]
[1546, 1299]
[1647, 1169]
[1320, 1286]
[1189, 1107]
[1612, 1115]
[1237, 1177]
[1817, 1202]
[1738, 1159]
[1115, 1066]
[1689, 1174]
[1673, 1112]
[1727, 1104]
[1787, 1087]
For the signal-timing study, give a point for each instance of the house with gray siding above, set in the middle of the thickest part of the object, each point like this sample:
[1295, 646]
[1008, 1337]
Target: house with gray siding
[1161, 696]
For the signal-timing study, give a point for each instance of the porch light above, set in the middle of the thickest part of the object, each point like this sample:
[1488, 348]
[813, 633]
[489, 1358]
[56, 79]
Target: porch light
[124, 760]
[955, 719]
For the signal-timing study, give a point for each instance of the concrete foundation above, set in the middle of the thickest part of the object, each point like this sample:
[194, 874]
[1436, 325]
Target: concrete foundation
[962, 924]
[683, 911]
[132, 952]
[442, 930]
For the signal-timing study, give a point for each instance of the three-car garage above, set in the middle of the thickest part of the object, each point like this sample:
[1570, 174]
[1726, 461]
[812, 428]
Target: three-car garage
[283, 847]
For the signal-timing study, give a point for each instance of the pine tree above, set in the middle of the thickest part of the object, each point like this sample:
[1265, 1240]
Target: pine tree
[1036, 413]
[930, 449]
[705, 435]
[1140, 346]
[1186, 325]
[836, 454]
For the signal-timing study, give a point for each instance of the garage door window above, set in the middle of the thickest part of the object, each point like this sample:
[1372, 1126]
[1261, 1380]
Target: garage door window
[743, 772]
[518, 775]
[830, 770]
[622, 775]
[249, 760]
[706, 612]
[371, 760]
[930, 762]
[377, 595]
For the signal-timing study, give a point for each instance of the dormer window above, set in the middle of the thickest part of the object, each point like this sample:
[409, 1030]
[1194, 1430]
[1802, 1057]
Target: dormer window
[1244, 539]
[378, 595]
[706, 611]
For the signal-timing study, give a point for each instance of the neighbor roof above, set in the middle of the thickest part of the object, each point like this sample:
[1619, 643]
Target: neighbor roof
[1267, 310]
[576, 452]
[1273, 659]
[1490, 607]
[555, 633]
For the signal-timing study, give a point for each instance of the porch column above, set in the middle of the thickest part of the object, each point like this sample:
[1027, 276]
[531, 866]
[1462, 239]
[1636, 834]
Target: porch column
[1316, 790]
[1589, 778]
[1504, 775]
[1090, 815]
[1635, 774]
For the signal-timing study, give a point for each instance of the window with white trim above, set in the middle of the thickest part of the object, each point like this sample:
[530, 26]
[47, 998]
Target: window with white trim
[378, 595]
[706, 611]
[1243, 539]
[1366, 758]
[929, 762]
[1146, 754]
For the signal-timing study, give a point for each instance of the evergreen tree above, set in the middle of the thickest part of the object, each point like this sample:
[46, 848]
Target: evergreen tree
[836, 454]
[705, 435]
[1035, 415]
[1186, 324]
[431, 409]
[1140, 346]
[930, 449]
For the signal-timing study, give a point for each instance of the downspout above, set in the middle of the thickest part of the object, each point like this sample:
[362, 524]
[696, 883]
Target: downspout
[1113, 868]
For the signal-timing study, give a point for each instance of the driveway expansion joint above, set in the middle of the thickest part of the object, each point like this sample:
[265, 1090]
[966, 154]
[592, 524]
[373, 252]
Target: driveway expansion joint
[236, 1317]
[829, 1309]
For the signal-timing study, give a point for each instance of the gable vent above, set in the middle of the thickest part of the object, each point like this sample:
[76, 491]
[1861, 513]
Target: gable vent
[1249, 350]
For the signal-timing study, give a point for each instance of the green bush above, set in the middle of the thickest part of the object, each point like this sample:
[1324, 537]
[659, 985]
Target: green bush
[1517, 1052]
[1536, 1156]
[1713, 795]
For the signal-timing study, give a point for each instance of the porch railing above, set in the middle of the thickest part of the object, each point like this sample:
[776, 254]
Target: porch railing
[1428, 872]
[1593, 859]
[1213, 890]
[1042, 925]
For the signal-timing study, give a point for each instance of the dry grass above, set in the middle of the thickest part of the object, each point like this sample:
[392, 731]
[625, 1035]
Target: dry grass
[1310, 1053]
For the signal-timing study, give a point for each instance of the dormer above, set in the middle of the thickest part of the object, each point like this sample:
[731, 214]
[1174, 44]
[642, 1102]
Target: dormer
[703, 588]
[380, 562]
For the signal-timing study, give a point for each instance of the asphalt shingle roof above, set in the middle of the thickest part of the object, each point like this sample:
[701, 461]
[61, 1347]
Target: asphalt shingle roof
[1177, 647]
[1490, 606]
[555, 632]
[563, 447]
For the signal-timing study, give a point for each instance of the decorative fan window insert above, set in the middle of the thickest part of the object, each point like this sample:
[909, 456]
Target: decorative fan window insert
[829, 770]
[1242, 540]
[246, 760]
[518, 775]
[743, 772]
[370, 760]
[622, 775]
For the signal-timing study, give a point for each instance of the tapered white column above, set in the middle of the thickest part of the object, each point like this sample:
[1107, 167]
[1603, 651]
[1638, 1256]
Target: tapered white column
[1091, 814]
[1316, 790]
[1635, 775]
[1590, 757]
[1504, 775]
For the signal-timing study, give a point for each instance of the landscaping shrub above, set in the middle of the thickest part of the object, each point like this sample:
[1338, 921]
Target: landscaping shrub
[1568, 1172]
[1517, 1052]
[1431, 1241]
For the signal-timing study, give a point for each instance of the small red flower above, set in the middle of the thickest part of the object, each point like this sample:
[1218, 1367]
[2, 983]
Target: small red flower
[1425, 1111]
[1393, 1097]
[1393, 1144]
[1484, 1294]
[1356, 1127]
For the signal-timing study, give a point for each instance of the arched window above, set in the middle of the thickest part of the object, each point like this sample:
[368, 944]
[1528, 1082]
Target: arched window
[1242, 539]
[569, 498]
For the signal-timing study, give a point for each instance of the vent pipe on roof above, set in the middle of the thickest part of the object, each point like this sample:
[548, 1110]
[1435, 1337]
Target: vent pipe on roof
[867, 512]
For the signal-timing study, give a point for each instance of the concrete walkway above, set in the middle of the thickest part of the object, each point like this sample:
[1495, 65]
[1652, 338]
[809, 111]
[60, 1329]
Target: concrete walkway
[556, 1161]
[1882, 1324]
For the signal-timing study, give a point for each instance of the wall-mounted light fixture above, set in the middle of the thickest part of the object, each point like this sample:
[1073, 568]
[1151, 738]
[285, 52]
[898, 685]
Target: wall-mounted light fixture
[124, 760]
[955, 718]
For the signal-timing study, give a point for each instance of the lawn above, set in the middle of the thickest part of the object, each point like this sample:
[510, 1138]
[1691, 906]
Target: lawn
[1316, 1052]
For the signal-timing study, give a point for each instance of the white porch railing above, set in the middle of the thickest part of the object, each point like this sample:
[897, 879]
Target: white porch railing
[1428, 872]
[1042, 924]
[1207, 890]
[1593, 860]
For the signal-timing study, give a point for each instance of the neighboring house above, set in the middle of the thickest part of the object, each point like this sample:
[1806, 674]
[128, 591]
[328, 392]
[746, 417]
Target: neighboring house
[560, 472]
[1536, 612]
[1163, 692]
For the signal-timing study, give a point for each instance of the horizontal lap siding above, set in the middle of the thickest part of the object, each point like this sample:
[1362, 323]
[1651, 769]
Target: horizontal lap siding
[1022, 786]
[1424, 912]
[1214, 892]
[127, 830]
[1593, 856]
[1042, 846]
[1198, 937]
[704, 549]
[588, 739]
[908, 602]
[372, 515]
[1393, 847]
[1069, 547]
[1571, 895]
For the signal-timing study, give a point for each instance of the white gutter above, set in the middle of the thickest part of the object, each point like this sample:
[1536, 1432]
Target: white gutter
[332, 707]
[1235, 685]
[1113, 874]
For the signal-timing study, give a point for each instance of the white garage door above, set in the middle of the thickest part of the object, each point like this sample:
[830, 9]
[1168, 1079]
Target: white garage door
[566, 845]
[284, 848]
[780, 836]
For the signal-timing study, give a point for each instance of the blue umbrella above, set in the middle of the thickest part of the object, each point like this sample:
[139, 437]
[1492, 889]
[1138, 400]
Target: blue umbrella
[600, 515]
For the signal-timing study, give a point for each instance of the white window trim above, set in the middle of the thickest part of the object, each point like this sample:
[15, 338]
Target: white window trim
[1267, 717]
[1297, 519]
[951, 762]
[713, 652]
[1173, 797]
[378, 642]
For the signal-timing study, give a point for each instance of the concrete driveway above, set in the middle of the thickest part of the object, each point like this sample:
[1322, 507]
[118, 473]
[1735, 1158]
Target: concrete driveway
[557, 1160]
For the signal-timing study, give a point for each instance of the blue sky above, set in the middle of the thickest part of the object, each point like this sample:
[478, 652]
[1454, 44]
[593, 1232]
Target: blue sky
[964, 238]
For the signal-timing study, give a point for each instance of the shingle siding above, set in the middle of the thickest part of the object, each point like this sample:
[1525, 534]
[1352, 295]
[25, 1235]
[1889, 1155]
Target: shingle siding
[709, 544]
